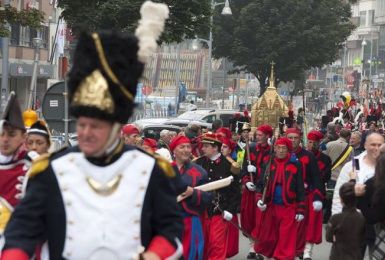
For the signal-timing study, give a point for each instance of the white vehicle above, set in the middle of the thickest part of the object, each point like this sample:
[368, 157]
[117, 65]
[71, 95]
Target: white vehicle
[209, 115]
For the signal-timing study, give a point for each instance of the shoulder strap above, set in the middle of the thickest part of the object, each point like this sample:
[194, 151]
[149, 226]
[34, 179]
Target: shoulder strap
[345, 153]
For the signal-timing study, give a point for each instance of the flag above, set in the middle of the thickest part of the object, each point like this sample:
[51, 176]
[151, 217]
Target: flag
[60, 38]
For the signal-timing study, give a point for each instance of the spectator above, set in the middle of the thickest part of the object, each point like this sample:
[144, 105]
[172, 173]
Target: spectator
[216, 125]
[339, 152]
[355, 142]
[346, 230]
[164, 140]
[365, 167]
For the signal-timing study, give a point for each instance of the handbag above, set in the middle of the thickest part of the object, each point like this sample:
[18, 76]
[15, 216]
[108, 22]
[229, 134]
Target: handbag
[379, 244]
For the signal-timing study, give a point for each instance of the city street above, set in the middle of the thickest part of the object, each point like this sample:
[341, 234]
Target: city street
[321, 252]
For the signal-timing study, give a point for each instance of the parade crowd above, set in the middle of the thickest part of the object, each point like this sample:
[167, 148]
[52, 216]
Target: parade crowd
[187, 195]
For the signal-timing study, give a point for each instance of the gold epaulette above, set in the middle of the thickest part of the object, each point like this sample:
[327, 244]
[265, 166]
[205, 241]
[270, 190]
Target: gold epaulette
[39, 165]
[235, 168]
[165, 166]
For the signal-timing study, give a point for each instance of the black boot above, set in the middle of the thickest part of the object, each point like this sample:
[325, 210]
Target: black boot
[251, 255]
[259, 257]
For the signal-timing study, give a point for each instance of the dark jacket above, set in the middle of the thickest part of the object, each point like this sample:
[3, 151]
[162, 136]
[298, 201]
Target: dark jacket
[217, 170]
[348, 229]
[373, 213]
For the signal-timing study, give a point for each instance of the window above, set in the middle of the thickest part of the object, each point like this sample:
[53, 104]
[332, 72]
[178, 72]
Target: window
[363, 18]
[23, 35]
[371, 17]
[209, 119]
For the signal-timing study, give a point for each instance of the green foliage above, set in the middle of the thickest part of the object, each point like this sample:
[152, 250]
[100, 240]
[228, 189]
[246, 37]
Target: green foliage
[31, 17]
[187, 17]
[295, 34]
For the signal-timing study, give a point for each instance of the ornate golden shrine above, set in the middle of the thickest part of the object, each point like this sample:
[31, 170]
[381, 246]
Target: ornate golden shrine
[270, 107]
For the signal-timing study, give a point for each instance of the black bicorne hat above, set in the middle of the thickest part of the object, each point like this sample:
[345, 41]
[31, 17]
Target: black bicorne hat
[12, 115]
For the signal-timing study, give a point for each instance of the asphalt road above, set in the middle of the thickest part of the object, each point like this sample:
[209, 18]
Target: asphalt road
[320, 252]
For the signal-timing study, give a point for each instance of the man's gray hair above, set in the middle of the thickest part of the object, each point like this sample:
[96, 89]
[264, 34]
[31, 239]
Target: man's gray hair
[164, 132]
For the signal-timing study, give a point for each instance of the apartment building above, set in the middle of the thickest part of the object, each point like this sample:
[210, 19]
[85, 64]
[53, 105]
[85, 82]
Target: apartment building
[22, 52]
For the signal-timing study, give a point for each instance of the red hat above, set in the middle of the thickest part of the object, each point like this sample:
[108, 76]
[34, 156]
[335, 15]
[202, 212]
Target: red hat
[150, 143]
[315, 135]
[293, 130]
[237, 115]
[285, 141]
[129, 129]
[224, 131]
[211, 138]
[227, 141]
[266, 129]
[181, 139]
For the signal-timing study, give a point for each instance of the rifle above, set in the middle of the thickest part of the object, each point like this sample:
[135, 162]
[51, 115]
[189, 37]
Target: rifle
[267, 171]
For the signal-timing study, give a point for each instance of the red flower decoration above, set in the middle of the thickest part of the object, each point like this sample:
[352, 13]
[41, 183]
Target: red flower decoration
[291, 168]
[321, 165]
[304, 160]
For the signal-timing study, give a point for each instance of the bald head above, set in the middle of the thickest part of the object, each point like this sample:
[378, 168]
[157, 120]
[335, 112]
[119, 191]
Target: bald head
[373, 143]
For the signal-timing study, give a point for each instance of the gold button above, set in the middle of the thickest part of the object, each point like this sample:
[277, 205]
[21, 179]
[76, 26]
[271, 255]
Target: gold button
[68, 203]
[136, 238]
[64, 189]
[70, 222]
[68, 254]
[138, 205]
[69, 238]
[144, 172]
[136, 221]
[71, 159]
[141, 188]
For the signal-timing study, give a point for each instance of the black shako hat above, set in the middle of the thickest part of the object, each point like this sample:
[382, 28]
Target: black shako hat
[107, 65]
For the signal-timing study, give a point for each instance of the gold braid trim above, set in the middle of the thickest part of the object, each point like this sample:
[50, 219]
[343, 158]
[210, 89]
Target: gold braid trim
[107, 68]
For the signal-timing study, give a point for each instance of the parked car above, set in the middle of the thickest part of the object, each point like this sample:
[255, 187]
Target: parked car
[209, 116]
[153, 131]
[150, 121]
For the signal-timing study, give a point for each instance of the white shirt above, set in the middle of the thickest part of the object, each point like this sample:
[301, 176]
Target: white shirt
[366, 172]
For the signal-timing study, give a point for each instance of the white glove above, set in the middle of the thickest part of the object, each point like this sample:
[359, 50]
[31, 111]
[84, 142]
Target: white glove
[299, 217]
[227, 215]
[251, 168]
[262, 206]
[250, 186]
[20, 188]
[317, 205]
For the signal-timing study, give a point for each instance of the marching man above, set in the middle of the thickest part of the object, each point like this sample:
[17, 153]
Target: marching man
[282, 201]
[218, 167]
[312, 181]
[101, 199]
[251, 172]
[314, 230]
[13, 159]
[194, 201]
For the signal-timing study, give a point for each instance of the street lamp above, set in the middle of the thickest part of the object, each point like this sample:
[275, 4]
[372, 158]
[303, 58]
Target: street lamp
[225, 11]
[32, 95]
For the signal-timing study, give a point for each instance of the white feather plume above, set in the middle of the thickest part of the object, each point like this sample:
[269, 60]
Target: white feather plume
[151, 25]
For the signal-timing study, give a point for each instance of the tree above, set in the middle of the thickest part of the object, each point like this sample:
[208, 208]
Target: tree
[295, 34]
[188, 18]
[28, 17]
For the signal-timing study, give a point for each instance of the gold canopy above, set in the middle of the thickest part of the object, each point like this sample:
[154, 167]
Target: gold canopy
[270, 107]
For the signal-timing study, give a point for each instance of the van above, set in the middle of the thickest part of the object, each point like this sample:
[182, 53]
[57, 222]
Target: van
[209, 115]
